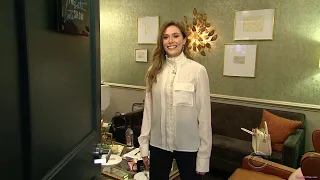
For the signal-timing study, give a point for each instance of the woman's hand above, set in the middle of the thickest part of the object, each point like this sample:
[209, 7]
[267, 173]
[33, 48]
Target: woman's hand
[146, 162]
[201, 173]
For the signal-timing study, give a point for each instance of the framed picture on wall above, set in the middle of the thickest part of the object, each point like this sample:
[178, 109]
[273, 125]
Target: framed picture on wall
[73, 17]
[254, 25]
[239, 60]
[141, 55]
[148, 28]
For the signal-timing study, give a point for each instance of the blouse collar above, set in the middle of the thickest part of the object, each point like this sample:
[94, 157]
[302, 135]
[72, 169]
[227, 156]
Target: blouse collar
[176, 60]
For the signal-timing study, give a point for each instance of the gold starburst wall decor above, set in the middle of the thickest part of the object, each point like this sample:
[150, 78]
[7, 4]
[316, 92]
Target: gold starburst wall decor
[200, 33]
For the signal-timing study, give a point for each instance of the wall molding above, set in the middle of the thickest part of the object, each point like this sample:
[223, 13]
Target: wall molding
[125, 86]
[221, 97]
[291, 105]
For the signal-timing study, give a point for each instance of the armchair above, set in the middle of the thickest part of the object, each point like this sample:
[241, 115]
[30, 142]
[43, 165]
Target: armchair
[254, 167]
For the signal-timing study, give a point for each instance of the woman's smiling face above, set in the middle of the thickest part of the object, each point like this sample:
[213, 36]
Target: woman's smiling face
[173, 41]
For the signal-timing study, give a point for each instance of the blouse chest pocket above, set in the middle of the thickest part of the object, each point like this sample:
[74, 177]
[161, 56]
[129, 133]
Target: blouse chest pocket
[183, 94]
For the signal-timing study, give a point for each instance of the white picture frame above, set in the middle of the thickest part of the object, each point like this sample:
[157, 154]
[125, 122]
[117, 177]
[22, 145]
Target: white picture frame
[141, 55]
[148, 28]
[239, 60]
[254, 25]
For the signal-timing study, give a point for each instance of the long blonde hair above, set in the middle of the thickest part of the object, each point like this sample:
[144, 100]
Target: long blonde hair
[158, 57]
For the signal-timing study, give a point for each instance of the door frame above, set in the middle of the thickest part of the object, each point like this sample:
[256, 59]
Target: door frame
[95, 92]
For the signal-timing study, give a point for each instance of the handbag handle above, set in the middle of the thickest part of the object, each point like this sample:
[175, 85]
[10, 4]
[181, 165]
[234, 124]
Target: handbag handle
[266, 127]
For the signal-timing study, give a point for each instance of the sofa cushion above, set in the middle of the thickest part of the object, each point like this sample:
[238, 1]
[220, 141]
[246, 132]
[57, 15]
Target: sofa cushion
[232, 144]
[276, 157]
[279, 128]
[234, 149]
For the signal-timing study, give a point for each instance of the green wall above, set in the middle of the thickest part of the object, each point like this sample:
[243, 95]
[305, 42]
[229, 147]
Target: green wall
[286, 67]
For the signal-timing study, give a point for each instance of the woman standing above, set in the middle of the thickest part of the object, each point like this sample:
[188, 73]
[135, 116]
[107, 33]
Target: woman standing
[177, 113]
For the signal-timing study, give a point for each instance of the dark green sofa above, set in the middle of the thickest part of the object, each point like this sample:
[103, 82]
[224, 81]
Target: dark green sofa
[231, 144]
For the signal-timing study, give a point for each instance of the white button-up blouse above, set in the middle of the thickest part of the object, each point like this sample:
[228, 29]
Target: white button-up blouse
[177, 116]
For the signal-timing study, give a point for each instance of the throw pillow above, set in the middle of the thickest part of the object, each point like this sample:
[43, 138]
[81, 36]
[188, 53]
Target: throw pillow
[279, 128]
[277, 147]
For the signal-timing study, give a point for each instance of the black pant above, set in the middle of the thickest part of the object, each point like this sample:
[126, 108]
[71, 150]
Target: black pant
[161, 163]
